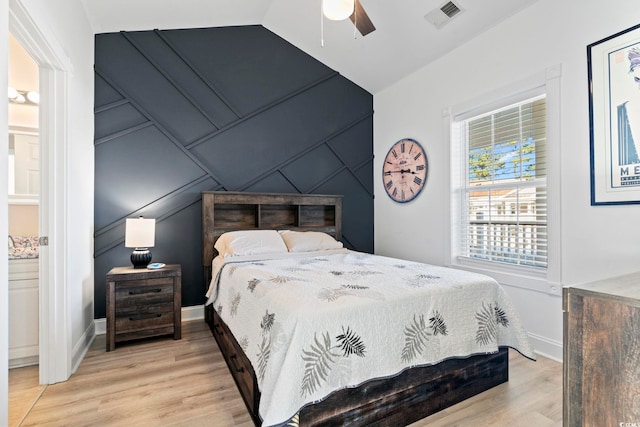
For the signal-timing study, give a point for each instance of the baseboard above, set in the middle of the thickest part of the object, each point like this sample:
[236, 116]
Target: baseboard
[23, 353]
[81, 348]
[21, 362]
[101, 326]
[193, 312]
[543, 346]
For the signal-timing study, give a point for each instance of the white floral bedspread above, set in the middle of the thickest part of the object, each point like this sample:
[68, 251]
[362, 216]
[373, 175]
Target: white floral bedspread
[317, 323]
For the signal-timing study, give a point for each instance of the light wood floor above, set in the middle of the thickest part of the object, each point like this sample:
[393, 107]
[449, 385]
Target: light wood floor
[24, 392]
[162, 382]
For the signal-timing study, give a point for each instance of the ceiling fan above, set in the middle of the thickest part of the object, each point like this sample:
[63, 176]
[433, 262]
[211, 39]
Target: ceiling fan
[342, 9]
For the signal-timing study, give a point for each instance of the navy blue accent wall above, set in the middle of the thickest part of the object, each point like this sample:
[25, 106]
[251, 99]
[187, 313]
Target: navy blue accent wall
[178, 112]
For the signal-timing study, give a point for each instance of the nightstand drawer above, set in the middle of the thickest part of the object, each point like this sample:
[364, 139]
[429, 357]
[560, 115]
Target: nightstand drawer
[143, 308]
[145, 292]
[144, 319]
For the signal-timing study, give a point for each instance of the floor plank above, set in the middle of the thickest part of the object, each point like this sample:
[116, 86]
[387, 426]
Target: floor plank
[24, 391]
[531, 397]
[162, 382]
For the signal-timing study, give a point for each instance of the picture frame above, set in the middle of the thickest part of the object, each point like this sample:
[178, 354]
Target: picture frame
[614, 118]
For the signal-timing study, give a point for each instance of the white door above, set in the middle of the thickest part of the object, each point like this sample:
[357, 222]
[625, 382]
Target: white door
[27, 163]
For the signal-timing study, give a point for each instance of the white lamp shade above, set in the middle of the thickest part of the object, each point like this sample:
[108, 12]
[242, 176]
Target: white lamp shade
[140, 233]
[337, 10]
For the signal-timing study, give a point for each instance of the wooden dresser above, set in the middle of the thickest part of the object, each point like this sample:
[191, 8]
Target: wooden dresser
[602, 352]
[143, 303]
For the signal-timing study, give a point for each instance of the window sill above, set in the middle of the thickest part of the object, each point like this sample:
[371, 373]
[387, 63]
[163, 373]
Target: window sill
[520, 277]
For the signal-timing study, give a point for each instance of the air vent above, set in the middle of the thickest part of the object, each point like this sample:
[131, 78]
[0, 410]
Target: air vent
[442, 15]
[450, 9]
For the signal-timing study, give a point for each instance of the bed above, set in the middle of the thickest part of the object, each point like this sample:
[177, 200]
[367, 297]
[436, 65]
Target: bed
[400, 396]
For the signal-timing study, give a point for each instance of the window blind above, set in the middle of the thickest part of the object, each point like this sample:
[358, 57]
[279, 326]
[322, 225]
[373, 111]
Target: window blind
[504, 207]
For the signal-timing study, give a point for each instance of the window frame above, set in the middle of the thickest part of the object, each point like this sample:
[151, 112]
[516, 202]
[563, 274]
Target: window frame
[547, 81]
[511, 207]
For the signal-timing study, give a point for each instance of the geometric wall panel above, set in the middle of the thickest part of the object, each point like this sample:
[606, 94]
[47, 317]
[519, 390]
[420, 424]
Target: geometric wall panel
[325, 162]
[124, 116]
[178, 112]
[147, 166]
[245, 62]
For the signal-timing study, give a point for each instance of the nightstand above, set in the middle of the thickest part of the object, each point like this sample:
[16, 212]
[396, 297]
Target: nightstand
[143, 303]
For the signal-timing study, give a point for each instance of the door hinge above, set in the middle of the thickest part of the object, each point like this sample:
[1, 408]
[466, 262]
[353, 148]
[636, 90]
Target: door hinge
[43, 241]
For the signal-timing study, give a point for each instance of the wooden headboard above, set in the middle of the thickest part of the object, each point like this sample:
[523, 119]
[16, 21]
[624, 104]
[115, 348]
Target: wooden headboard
[224, 211]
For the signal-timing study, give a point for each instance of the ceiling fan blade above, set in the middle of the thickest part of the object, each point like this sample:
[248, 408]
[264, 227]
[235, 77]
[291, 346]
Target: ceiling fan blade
[361, 20]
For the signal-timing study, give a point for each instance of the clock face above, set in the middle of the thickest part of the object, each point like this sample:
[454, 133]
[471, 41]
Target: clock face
[404, 171]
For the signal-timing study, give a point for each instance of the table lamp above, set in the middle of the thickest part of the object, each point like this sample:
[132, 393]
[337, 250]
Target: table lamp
[140, 234]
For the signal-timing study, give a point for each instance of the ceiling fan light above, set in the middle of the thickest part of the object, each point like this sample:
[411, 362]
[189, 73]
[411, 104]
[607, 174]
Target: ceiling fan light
[337, 10]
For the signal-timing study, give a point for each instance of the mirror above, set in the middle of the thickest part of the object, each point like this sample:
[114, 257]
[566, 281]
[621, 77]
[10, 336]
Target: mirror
[24, 166]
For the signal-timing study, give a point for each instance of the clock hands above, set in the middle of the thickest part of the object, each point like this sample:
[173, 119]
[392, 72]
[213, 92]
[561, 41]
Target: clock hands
[404, 171]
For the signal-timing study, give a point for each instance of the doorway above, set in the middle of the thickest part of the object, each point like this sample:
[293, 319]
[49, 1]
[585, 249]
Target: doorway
[55, 349]
[24, 217]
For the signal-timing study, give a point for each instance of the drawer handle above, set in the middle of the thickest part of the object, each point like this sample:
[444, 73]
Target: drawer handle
[218, 329]
[145, 291]
[235, 365]
[145, 316]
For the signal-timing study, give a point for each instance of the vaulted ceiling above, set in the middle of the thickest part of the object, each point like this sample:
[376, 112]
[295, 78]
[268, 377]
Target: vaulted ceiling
[403, 42]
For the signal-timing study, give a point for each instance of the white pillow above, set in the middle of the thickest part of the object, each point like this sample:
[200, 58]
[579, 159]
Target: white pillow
[307, 241]
[250, 242]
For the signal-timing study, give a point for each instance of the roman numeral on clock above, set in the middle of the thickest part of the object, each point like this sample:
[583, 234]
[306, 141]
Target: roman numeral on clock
[389, 185]
[417, 180]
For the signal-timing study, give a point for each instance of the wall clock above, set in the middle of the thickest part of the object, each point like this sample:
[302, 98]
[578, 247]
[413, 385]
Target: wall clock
[404, 172]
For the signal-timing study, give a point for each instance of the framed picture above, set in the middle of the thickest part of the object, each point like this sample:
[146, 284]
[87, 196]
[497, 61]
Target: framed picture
[614, 118]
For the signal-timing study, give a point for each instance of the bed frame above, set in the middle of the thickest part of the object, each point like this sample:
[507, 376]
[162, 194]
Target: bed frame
[401, 400]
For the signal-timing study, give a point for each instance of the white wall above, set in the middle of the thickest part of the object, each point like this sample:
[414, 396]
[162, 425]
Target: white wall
[597, 242]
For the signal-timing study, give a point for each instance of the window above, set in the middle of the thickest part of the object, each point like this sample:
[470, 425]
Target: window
[504, 185]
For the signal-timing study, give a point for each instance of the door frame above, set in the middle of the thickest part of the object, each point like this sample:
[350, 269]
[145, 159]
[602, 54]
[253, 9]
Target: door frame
[54, 67]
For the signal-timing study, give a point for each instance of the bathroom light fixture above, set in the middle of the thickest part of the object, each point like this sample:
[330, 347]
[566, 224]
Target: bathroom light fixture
[34, 97]
[18, 96]
[140, 234]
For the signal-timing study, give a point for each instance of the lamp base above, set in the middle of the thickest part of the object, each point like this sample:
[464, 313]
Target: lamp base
[140, 257]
